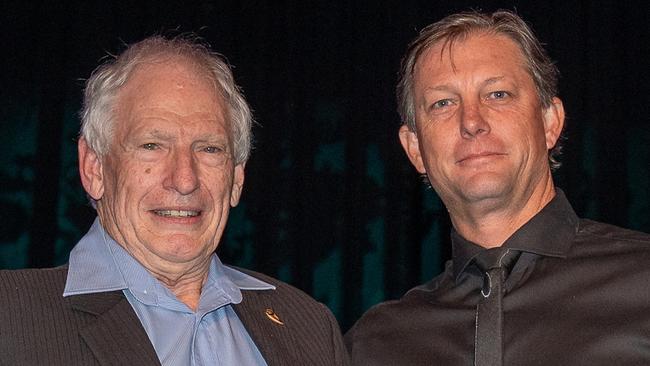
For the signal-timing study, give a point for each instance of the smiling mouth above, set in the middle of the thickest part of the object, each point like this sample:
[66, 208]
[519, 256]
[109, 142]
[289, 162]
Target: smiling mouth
[177, 213]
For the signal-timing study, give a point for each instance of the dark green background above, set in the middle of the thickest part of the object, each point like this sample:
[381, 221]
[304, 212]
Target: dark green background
[330, 204]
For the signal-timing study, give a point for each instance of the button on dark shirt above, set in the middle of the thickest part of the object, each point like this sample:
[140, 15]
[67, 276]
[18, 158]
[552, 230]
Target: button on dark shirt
[579, 294]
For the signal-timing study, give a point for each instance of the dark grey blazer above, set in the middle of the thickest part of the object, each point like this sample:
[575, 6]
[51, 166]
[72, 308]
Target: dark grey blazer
[38, 326]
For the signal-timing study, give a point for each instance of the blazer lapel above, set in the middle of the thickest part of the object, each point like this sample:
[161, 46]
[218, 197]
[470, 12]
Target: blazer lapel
[116, 336]
[273, 340]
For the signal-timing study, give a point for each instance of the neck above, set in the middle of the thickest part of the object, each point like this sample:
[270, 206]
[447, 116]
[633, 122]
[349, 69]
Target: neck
[187, 286]
[184, 279]
[491, 225]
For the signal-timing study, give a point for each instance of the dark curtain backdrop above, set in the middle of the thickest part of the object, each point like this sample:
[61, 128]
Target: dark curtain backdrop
[331, 204]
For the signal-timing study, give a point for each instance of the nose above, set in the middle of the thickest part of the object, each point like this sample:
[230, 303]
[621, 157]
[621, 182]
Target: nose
[472, 121]
[183, 177]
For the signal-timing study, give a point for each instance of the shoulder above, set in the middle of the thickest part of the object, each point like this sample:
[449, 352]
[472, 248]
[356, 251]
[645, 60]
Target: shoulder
[611, 232]
[610, 239]
[307, 327]
[28, 290]
[33, 307]
[391, 332]
[294, 307]
[389, 318]
[393, 310]
[283, 293]
[33, 282]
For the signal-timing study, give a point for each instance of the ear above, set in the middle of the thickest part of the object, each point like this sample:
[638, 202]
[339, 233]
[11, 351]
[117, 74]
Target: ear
[237, 184]
[411, 145]
[90, 170]
[553, 122]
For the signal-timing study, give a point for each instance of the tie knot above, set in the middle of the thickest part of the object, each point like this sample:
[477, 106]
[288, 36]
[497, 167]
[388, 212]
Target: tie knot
[496, 258]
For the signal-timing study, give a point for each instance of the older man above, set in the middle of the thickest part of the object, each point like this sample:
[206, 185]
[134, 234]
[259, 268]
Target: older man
[164, 141]
[529, 282]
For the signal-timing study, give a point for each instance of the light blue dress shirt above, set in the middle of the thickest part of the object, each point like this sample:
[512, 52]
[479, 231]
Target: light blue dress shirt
[213, 335]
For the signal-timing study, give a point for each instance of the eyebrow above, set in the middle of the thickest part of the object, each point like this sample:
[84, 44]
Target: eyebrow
[492, 80]
[206, 137]
[442, 87]
[157, 134]
[447, 87]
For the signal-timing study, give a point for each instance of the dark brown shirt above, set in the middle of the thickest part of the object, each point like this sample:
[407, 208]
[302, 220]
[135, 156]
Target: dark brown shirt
[579, 294]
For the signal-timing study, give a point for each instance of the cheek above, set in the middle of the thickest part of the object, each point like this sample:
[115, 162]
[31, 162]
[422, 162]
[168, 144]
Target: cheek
[530, 122]
[438, 145]
[535, 134]
[134, 182]
[218, 182]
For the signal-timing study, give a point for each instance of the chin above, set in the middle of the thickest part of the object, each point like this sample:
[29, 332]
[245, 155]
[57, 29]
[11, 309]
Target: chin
[474, 196]
[183, 249]
[181, 257]
[484, 188]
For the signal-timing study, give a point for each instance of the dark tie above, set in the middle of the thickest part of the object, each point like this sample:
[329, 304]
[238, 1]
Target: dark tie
[494, 263]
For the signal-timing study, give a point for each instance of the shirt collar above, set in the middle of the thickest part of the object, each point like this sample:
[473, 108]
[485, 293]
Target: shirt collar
[99, 264]
[91, 267]
[549, 233]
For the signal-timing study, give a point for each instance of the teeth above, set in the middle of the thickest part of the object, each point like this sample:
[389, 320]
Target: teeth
[176, 213]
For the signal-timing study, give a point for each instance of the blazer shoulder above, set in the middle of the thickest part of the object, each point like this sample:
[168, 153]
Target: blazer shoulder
[35, 282]
[290, 327]
[26, 292]
[282, 290]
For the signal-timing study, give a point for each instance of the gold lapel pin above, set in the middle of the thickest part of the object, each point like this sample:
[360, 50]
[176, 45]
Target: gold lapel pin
[273, 316]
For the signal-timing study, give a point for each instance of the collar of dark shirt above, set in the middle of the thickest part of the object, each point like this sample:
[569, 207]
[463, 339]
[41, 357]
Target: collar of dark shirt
[549, 233]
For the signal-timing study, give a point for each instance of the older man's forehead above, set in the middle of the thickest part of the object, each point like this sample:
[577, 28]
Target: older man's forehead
[181, 70]
[169, 90]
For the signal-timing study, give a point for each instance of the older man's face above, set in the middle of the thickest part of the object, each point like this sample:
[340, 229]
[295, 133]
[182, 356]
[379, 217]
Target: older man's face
[165, 188]
[481, 132]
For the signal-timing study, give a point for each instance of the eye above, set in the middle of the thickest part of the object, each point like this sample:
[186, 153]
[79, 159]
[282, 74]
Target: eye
[150, 146]
[212, 149]
[442, 103]
[499, 94]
